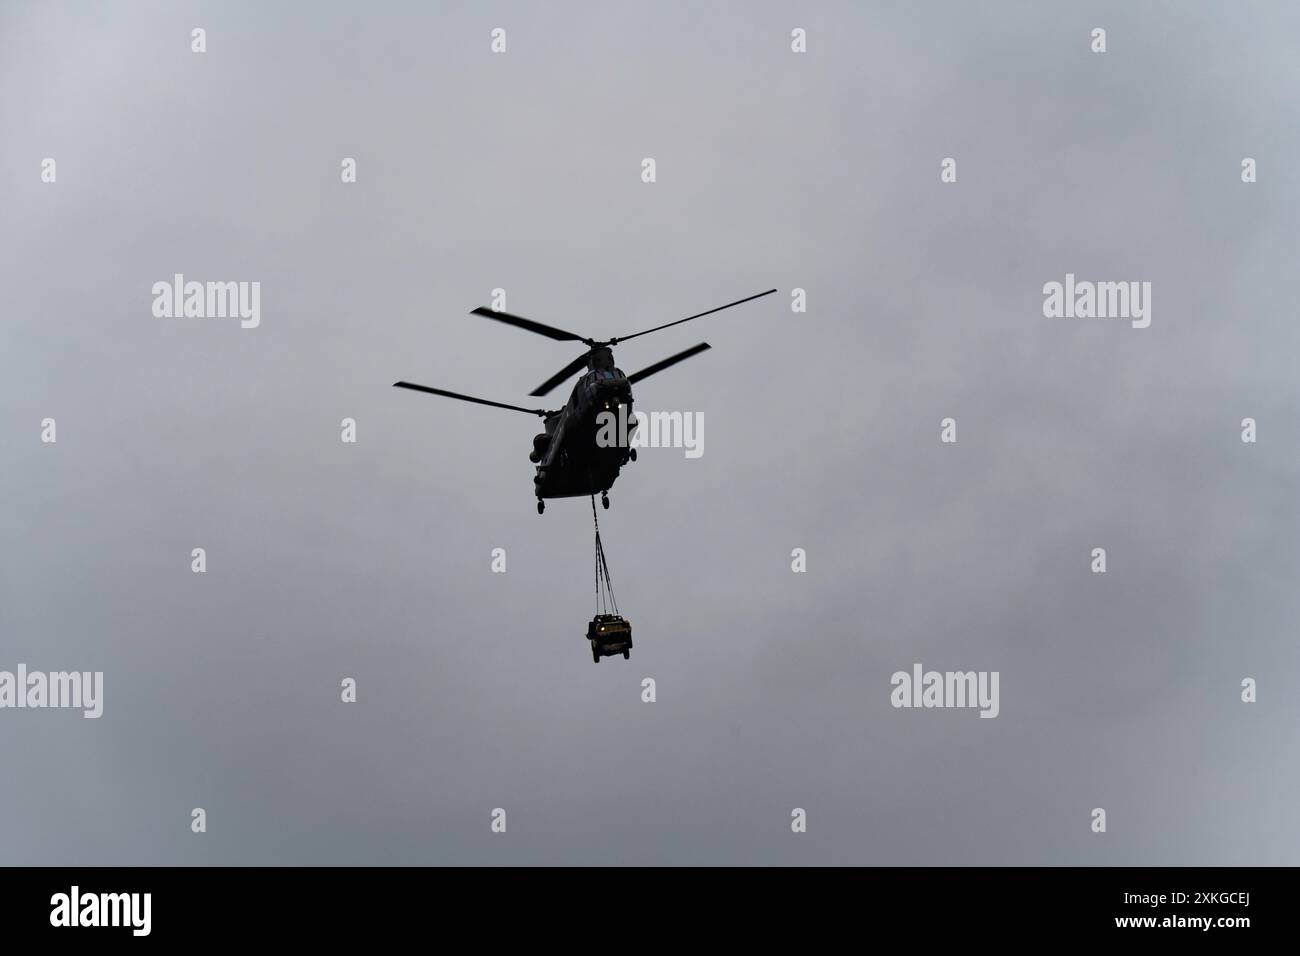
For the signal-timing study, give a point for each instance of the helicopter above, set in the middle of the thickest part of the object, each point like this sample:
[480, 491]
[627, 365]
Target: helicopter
[570, 462]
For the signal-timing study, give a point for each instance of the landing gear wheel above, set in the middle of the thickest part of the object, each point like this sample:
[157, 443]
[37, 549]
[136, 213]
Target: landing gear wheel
[626, 655]
[632, 454]
[604, 501]
[541, 505]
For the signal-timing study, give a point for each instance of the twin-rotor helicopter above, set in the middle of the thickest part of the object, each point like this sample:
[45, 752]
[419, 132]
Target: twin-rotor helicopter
[570, 461]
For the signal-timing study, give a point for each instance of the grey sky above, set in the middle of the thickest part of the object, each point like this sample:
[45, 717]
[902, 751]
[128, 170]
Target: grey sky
[521, 171]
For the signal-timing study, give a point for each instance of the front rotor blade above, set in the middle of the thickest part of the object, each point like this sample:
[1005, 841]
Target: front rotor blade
[671, 360]
[520, 322]
[466, 398]
[579, 363]
[624, 338]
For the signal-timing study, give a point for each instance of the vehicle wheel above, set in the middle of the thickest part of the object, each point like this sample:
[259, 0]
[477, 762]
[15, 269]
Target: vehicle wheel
[626, 655]
[632, 454]
[604, 502]
[595, 656]
[541, 505]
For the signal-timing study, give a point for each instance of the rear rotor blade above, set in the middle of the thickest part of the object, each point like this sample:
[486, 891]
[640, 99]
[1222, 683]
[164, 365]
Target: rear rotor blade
[466, 398]
[670, 361]
[520, 322]
[579, 363]
[624, 338]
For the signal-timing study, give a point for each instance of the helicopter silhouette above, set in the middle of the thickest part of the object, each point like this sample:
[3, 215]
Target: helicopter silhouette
[570, 462]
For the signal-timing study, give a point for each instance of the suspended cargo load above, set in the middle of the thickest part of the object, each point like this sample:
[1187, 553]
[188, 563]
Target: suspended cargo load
[609, 634]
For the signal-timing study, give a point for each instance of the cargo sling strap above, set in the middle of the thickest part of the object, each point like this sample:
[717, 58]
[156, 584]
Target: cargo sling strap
[605, 603]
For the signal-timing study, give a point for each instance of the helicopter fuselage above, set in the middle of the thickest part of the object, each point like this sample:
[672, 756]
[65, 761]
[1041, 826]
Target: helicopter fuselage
[570, 461]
